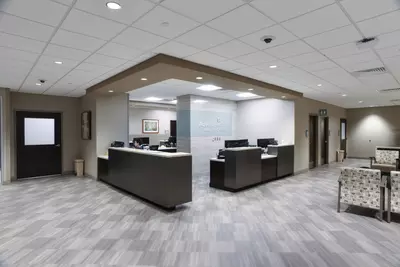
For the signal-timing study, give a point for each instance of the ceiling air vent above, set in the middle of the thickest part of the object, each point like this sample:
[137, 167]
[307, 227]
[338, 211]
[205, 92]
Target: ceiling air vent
[388, 91]
[368, 72]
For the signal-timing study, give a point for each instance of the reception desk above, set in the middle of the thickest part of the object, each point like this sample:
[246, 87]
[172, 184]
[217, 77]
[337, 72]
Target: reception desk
[162, 178]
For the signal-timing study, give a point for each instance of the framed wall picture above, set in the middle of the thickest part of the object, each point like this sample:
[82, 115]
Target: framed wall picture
[150, 126]
[86, 125]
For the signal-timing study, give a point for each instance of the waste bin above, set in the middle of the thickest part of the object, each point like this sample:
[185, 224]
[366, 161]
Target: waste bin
[79, 164]
[340, 155]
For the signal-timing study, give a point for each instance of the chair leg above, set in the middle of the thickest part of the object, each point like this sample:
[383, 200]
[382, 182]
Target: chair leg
[389, 205]
[338, 202]
[381, 204]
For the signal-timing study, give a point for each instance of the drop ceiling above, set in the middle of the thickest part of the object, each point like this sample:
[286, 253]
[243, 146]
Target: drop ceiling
[169, 90]
[314, 43]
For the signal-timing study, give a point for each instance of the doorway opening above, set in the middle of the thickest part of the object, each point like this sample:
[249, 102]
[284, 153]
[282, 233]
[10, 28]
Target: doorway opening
[343, 136]
[38, 139]
[313, 143]
[324, 131]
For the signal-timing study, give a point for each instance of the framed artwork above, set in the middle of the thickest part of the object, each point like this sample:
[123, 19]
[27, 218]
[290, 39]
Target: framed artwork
[86, 125]
[150, 126]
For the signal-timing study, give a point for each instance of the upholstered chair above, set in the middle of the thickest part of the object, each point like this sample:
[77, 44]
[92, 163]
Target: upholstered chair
[393, 193]
[386, 159]
[361, 187]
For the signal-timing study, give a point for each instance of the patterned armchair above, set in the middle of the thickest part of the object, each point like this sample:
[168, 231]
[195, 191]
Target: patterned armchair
[386, 159]
[393, 193]
[361, 187]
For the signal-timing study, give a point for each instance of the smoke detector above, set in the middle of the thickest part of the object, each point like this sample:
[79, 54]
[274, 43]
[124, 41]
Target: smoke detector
[366, 43]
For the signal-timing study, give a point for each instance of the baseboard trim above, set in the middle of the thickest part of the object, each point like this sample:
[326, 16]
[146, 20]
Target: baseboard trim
[357, 158]
[301, 171]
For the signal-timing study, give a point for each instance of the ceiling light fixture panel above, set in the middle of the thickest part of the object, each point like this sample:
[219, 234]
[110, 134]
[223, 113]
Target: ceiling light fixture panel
[245, 95]
[153, 98]
[113, 5]
[200, 101]
[208, 88]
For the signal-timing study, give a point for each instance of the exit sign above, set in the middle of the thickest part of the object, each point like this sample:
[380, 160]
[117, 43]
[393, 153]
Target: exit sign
[323, 112]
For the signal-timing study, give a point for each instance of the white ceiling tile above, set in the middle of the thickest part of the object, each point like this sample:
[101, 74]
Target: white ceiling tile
[26, 28]
[106, 61]
[57, 92]
[30, 85]
[357, 66]
[76, 40]
[176, 49]
[228, 65]
[365, 9]
[382, 24]
[388, 39]
[327, 64]
[379, 82]
[64, 2]
[248, 71]
[142, 58]
[49, 73]
[286, 9]
[130, 11]
[99, 70]
[65, 52]
[305, 59]
[338, 77]
[321, 20]
[21, 43]
[43, 11]
[343, 50]
[335, 37]
[357, 58]
[120, 51]
[9, 53]
[76, 93]
[154, 22]
[18, 67]
[232, 49]
[290, 49]
[205, 57]
[203, 10]
[281, 65]
[78, 77]
[203, 37]
[140, 39]
[256, 58]
[389, 51]
[281, 35]
[232, 25]
[49, 61]
[91, 25]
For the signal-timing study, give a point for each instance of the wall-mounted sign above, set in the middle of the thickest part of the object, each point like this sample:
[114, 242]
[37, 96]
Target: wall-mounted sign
[323, 112]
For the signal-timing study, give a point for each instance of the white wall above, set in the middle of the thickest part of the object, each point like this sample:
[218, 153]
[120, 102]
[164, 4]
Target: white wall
[265, 118]
[164, 115]
[112, 121]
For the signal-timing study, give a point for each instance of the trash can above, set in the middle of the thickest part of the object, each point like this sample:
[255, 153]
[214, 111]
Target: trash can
[79, 164]
[340, 155]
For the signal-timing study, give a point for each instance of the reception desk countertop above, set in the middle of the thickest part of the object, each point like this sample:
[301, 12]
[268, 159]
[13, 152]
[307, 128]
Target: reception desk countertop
[103, 157]
[263, 156]
[151, 152]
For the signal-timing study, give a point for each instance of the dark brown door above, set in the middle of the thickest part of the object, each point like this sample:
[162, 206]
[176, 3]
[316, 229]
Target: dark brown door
[343, 136]
[38, 136]
[312, 137]
[324, 130]
[172, 128]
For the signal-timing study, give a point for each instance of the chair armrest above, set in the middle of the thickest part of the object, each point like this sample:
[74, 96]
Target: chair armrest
[397, 164]
[372, 160]
[384, 181]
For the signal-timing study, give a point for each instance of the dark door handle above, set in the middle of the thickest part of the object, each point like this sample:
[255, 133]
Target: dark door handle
[58, 145]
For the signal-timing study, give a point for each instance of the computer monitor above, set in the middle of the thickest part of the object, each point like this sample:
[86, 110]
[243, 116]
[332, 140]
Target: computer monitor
[142, 140]
[236, 143]
[265, 142]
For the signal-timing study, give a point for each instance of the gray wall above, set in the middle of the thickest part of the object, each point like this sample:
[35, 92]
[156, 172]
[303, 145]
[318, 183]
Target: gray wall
[112, 121]
[164, 115]
[303, 108]
[265, 118]
[371, 127]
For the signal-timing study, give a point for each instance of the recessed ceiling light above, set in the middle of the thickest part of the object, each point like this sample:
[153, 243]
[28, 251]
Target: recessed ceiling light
[38, 84]
[199, 78]
[111, 91]
[360, 101]
[165, 24]
[58, 62]
[173, 101]
[200, 101]
[371, 106]
[208, 87]
[113, 5]
[152, 98]
[250, 89]
[273, 67]
[283, 96]
[144, 79]
[319, 85]
[246, 94]
[344, 95]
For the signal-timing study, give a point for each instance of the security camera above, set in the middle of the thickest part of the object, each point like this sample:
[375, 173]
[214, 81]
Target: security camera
[42, 81]
[268, 39]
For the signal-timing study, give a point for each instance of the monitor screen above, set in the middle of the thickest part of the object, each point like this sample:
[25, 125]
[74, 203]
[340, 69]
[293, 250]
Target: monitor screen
[142, 140]
[265, 142]
[236, 143]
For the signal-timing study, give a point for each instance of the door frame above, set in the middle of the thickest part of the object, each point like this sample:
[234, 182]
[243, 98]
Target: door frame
[340, 136]
[326, 143]
[315, 118]
[14, 136]
[2, 141]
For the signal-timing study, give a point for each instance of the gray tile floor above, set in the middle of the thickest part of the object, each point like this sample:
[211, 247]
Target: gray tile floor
[292, 222]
